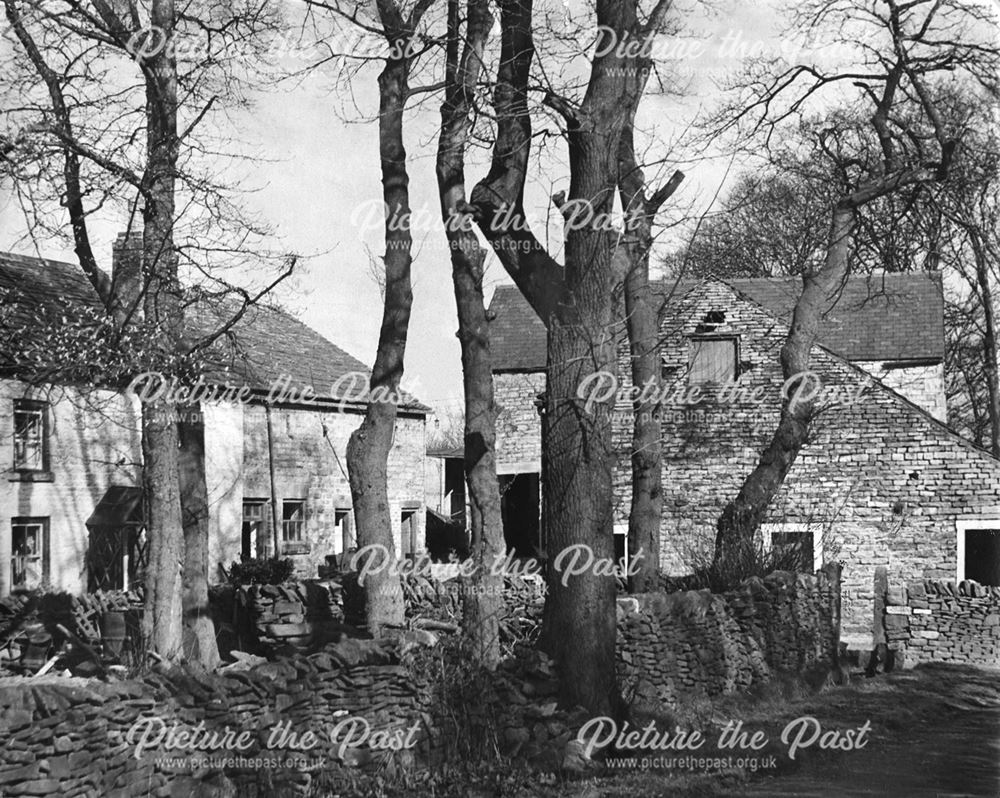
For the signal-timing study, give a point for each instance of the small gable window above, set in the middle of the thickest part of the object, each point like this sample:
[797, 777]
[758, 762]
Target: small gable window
[713, 359]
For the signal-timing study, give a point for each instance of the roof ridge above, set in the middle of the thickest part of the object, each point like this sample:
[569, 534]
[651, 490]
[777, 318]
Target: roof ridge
[854, 367]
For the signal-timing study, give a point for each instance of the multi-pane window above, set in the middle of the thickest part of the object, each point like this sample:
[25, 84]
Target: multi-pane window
[713, 360]
[29, 435]
[29, 556]
[293, 520]
[254, 517]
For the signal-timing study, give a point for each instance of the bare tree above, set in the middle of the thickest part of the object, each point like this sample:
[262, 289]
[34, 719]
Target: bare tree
[482, 600]
[921, 41]
[642, 319]
[94, 125]
[575, 303]
[368, 447]
[970, 202]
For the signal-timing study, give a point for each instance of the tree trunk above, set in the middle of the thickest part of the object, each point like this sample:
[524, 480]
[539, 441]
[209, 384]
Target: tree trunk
[482, 597]
[162, 617]
[643, 325]
[199, 631]
[742, 517]
[578, 628]
[989, 340]
[162, 612]
[368, 447]
[576, 306]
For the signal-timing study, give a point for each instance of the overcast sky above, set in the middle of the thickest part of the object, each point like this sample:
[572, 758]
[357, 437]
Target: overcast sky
[321, 191]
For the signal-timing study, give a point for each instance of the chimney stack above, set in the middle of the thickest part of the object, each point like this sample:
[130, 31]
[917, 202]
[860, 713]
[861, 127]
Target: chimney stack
[126, 272]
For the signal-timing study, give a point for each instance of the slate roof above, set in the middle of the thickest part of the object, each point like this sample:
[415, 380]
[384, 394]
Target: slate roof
[878, 317]
[266, 343]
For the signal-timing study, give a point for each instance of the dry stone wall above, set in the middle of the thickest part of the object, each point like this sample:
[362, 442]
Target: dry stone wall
[301, 614]
[942, 621]
[76, 737]
[676, 645]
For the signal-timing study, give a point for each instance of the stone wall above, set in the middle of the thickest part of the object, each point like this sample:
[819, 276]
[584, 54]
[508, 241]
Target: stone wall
[690, 643]
[301, 615]
[94, 443]
[310, 464]
[519, 427]
[880, 482]
[70, 737]
[922, 384]
[943, 621]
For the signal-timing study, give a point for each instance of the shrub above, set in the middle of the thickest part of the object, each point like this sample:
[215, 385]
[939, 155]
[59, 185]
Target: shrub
[271, 571]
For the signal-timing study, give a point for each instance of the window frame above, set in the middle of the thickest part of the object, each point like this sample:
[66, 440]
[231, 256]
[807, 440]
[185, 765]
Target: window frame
[43, 523]
[260, 533]
[697, 338]
[969, 525]
[769, 529]
[41, 408]
[299, 544]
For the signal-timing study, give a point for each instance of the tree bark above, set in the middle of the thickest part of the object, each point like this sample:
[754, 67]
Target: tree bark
[498, 198]
[482, 596]
[368, 447]
[643, 325]
[199, 631]
[989, 340]
[579, 621]
[742, 517]
[161, 306]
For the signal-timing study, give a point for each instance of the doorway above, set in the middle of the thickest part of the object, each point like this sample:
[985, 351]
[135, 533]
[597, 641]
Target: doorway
[519, 507]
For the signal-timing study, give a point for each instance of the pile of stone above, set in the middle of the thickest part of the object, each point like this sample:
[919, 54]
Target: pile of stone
[297, 616]
[530, 724]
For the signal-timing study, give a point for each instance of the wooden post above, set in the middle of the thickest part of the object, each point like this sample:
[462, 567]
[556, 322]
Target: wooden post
[880, 649]
[275, 518]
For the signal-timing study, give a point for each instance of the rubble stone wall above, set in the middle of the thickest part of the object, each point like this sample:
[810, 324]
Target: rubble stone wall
[944, 621]
[672, 645]
[78, 737]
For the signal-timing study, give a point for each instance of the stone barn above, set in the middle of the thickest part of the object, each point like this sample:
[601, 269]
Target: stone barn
[882, 481]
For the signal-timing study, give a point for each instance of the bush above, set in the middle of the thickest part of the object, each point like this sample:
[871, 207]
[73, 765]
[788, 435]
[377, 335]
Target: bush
[749, 559]
[271, 571]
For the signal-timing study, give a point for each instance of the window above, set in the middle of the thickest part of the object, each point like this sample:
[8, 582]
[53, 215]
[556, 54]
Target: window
[796, 547]
[979, 551]
[793, 551]
[254, 524]
[621, 549]
[293, 523]
[713, 360]
[29, 552]
[30, 439]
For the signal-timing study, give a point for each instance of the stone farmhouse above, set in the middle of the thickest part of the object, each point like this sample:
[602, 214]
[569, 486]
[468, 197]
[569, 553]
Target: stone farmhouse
[882, 481]
[70, 501]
